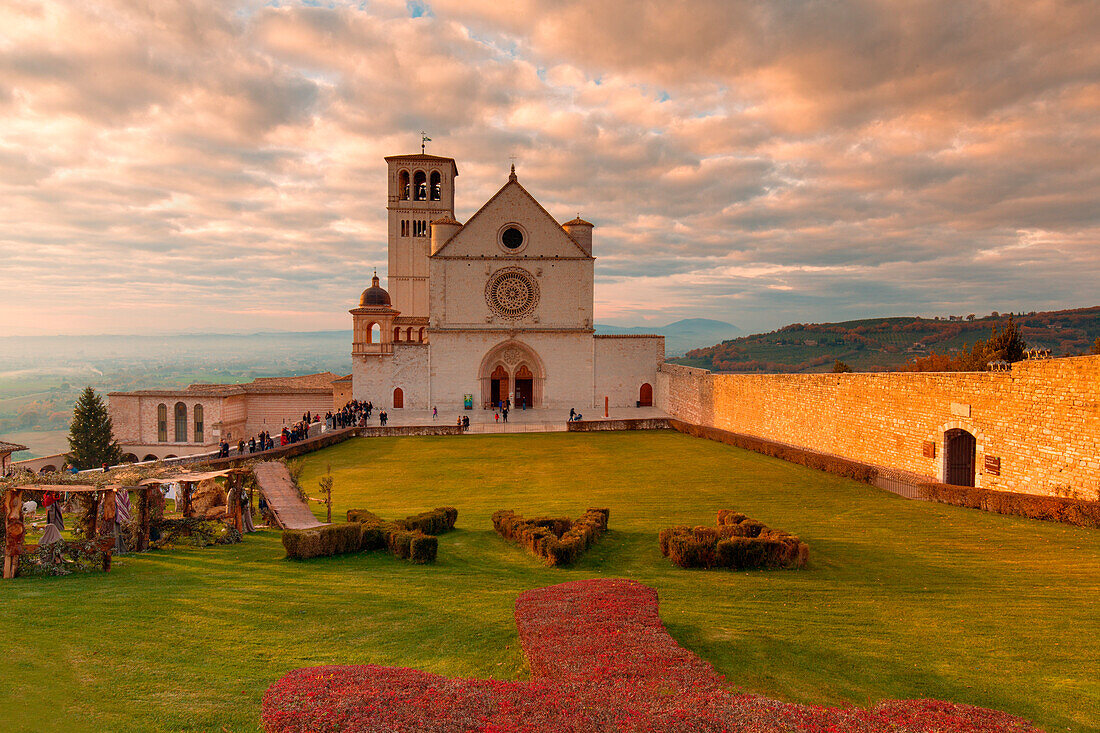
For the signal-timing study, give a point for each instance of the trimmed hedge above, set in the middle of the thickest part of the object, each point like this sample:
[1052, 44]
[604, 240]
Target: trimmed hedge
[407, 539]
[559, 540]
[1080, 512]
[830, 464]
[331, 539]
[737, 542]
[437, 521]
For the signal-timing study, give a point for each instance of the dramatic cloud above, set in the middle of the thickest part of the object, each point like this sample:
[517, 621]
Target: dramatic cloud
[206, 165]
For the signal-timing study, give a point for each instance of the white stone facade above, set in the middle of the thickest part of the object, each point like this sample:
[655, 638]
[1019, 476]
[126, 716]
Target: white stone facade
[508, 313]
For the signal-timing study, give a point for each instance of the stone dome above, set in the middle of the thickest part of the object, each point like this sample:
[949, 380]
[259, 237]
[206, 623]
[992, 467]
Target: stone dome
[375, 295]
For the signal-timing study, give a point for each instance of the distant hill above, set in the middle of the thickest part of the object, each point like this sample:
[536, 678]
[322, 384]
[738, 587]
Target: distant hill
[689, 333]
[884, 344]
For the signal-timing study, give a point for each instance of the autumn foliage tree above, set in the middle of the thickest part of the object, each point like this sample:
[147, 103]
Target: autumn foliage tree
[1007, 345]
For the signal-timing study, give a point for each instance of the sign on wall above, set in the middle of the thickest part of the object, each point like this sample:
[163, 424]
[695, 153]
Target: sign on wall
[993, 465]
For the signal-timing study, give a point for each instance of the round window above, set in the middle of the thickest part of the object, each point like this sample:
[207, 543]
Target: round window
[512, 238]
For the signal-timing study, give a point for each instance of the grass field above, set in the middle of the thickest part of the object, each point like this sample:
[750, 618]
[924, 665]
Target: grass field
[900, 599]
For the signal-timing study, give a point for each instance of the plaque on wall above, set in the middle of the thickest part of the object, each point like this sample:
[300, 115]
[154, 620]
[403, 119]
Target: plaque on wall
[928, 449]
[993, 465]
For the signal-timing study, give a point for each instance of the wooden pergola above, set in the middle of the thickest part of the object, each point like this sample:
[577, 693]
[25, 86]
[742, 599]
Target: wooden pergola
[105, 509]
[234, 485]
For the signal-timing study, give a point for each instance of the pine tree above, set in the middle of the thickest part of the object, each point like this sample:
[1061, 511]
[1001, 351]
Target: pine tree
[91, 442]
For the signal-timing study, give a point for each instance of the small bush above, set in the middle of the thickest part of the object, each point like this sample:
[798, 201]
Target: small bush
[737, 542]
[559, 540]
[830, 464]
[1079, 512]
[437, 521]
[409, 539]
[326, 541]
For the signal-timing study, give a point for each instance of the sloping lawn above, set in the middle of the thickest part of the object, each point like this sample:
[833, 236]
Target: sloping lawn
[900, 599]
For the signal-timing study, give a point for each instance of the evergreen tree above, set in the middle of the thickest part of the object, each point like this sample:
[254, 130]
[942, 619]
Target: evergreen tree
[91, 442]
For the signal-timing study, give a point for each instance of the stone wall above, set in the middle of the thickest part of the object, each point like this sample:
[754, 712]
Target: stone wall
[623, 363]
[1040, 421]
[631, 423]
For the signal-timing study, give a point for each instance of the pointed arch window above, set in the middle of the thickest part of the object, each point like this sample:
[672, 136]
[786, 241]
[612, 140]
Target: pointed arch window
[162, 423]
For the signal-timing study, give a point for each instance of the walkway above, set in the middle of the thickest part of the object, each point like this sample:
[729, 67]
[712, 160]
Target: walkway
[278, 489]
[542, 420]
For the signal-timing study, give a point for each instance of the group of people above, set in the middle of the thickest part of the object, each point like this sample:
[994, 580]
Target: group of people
[354, 414]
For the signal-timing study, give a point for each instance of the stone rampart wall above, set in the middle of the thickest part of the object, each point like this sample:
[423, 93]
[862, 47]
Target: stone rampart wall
[1040, 421]
[633, 423]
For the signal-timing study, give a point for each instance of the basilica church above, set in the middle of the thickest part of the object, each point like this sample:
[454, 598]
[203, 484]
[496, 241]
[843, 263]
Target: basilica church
[496, 308]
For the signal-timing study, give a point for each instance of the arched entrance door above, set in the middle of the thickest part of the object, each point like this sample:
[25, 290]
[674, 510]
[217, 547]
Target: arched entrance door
[645, 395]
[525, 387]
[498, 384]
[398, 398]
[512, 371]
[958, 458]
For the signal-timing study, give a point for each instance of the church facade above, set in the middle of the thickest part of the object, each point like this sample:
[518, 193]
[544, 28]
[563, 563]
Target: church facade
[497, 308]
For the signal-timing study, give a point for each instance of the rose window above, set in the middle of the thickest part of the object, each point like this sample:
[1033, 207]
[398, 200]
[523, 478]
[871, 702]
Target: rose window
[512, 293]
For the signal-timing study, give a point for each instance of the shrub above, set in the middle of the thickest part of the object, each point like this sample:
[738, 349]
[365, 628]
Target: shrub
[437, 521]
[810, 459]
[737, 542]
[559, 540]
[1079, 512]
[409, 539]
[326, 541]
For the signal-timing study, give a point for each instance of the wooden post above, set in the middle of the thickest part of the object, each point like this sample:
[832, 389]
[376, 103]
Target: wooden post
[108, 500]
[185, 494]
[13, 523]
[146, 498]
[233, 502]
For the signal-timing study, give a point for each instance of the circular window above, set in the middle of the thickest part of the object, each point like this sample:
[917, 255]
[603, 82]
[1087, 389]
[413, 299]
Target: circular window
[512, 293]
[512, 238]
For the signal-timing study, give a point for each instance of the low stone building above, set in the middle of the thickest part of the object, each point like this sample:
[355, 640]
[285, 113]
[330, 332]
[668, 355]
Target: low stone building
[155, 423]
[6, 449]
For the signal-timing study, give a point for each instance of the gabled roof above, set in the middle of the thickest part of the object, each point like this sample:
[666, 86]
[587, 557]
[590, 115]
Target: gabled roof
[578, 222]
[511, 182]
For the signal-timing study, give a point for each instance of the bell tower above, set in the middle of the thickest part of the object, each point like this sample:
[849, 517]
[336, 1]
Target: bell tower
[421, 190]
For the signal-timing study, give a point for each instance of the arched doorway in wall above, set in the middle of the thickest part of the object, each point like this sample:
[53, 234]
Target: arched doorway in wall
[149, 457]
[398, 398]
[498, 384]
[525, 386]
[512, 370]
[645, 395]
[958, 457]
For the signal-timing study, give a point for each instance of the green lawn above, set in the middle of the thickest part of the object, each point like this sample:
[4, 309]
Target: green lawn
[900, 599]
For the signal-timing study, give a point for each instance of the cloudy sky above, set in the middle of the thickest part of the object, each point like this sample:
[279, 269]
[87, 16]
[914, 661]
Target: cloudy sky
[210, 165]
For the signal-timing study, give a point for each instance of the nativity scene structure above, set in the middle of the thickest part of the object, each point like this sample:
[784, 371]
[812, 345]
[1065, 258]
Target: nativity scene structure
[499, 308]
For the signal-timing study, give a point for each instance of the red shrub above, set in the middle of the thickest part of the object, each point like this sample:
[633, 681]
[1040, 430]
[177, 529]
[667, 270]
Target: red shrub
[601, 661]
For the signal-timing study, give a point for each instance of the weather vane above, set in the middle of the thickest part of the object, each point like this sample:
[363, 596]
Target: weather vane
[424, 139]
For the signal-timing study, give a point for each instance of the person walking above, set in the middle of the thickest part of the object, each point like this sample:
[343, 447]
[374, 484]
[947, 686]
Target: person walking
[435, 413]
[504, 414]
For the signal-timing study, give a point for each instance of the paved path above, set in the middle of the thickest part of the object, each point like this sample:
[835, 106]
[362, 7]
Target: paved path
[289, 509]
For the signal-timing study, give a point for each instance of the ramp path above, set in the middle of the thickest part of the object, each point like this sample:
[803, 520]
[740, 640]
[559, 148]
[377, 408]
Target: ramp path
[278, 489]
